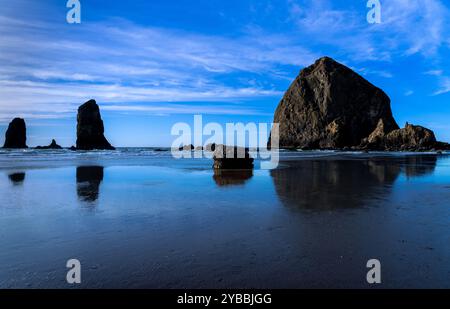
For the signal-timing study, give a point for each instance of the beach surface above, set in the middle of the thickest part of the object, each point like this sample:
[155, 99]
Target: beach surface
[138, 218]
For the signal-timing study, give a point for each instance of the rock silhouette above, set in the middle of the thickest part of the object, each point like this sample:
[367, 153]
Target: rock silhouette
[53, 145]
[329, 106]
[16, 134]
[90, 130]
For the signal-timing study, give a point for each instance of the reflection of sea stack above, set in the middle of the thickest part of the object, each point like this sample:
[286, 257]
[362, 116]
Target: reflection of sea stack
[329, 106]
[89, 179]
[53, 145]
[17, 178]
[16, 135]
[231, 157]
[90, 130]
[231, 177]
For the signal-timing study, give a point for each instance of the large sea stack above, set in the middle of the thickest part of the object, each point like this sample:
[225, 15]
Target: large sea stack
[329, 106]
[90, 130]
[16, 135]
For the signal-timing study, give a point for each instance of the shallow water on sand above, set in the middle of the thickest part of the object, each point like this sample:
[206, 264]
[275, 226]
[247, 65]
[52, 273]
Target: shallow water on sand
[137, 218]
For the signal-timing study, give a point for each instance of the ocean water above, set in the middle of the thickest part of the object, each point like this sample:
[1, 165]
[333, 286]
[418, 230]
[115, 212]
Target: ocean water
[138, 218]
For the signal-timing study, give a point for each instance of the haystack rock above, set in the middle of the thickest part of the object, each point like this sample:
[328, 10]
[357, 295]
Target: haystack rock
[53, 145]
[232, 157]
[90, 130]
[329, 106]
[16, 135]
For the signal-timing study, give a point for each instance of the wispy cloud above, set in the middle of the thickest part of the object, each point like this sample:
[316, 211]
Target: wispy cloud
[46, 70]
[408, 27]
[444, 86]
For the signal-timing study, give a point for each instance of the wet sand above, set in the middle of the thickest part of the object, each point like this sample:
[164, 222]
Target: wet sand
[156, 222]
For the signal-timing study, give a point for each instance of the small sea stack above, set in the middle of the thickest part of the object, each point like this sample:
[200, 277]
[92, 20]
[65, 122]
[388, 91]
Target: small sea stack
[53, 145]
[232, 157]
[187, 148]
[16, 134]
[90, 130]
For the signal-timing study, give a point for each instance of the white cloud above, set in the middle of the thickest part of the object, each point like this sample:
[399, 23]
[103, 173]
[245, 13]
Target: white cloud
[434, 72]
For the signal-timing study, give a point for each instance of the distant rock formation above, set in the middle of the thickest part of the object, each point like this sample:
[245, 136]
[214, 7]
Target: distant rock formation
[210, 147]
[187, 148]
[410, 138]
[53, 145]
[90, 130]
[232, 157]
[16, 134]
[329, 106]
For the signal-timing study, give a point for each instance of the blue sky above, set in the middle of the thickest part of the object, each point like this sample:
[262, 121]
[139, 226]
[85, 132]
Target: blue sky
[150, 64]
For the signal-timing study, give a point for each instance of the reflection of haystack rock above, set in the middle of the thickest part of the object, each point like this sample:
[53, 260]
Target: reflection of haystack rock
[416, 166]
[17, 178]
[326, 185]
[332, 184]
[231, 177]
[89, 179]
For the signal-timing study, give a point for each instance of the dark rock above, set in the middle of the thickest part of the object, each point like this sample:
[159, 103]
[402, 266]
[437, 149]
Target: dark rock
[53, 145]
[90, 130]
[329, 106]
[73, 148]
[187, 148]
[17, 178]
[232, 157]
[16, 135]
[210, 147]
